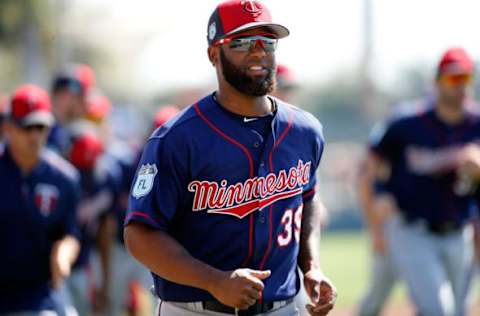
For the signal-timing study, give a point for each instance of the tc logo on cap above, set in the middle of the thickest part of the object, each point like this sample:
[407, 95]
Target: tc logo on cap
[252, 7]
[212, 31]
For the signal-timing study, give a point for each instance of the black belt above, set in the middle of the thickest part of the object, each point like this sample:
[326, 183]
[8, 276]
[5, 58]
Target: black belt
[437, 228]
[444, 228]
[255, 309]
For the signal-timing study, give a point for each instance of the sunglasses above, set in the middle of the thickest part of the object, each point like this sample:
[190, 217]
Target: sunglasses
[34, 128]
[454, 80]
[245, 44]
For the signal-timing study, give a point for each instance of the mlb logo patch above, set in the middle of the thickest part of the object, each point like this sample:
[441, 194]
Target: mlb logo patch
[45, 197]
[144, 183]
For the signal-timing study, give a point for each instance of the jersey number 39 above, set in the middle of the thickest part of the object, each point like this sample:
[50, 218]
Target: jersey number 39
[292, 222]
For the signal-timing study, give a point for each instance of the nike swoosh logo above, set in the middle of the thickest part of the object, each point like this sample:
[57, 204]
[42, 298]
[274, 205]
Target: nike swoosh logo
[249, 119]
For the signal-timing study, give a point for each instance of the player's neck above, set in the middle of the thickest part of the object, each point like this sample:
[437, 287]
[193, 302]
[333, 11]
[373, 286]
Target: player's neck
[242, 104]
[450, 114]
[25, 162]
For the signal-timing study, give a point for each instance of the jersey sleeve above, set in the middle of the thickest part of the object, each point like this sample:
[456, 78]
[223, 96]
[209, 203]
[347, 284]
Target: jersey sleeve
[384, 140]
[71, 223]
[318, 146]
[157, 187]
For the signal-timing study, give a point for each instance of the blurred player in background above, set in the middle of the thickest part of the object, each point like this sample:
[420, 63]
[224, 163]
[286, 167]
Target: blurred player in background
[382, 274]
[133, 281]
[99, 189]
[39, 194]
[433, 165]
[376, 210]
[70, 90]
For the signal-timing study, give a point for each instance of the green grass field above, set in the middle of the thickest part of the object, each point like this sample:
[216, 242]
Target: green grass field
[345, 260]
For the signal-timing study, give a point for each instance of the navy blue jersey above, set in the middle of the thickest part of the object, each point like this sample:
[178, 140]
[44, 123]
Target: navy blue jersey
[36, 210]
[100, 185]
[230, 195]
[421, 150]
[126, 159]
[59, 139]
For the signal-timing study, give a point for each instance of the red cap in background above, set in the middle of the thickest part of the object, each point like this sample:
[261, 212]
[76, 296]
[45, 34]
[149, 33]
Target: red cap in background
[98, 107]
[30, 105]
[285, 77]
[85, 150]
[455, 61]
[86, 76]
[165, 113]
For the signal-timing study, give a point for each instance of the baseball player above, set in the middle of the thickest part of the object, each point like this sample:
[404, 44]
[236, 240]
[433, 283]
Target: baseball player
[69, 97]
[376, 207]
[39, 193]
[431, 157]
[98, 193]
[222, 207]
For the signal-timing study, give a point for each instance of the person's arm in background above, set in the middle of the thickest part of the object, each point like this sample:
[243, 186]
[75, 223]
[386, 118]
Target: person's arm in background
[469, 170]
[320, 290]
[105, 240]
[65, 250]
[376, 203]
[63, 255]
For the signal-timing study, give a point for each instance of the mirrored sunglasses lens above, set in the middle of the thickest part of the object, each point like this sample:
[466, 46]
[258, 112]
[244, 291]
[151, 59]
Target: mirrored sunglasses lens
[246, 43]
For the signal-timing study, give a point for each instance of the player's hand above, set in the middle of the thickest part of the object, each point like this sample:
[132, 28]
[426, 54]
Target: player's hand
[469, 161]
[63, 254]
[240, 288]
[60, 265]
[321, 291]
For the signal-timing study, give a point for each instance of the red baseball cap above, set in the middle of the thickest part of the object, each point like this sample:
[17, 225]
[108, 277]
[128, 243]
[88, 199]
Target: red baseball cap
[285, 77]
[98, 107]
[455, 61]
[164, 114]
[30, 105]
[85, 150]
[235, 16]
[86, 76]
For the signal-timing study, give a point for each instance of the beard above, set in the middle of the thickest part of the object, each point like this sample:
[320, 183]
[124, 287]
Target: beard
[242, 82]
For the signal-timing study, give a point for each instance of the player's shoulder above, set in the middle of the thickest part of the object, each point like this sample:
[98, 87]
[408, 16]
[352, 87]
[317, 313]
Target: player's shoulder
[59, 167]
[300, 118]
[407, 113]
[472, 109]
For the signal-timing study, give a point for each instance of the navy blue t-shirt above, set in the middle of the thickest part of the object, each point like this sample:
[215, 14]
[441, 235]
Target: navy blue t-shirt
[421, 150]
[230, 195]
[102, 182]
[36, 210]
[59, 139]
